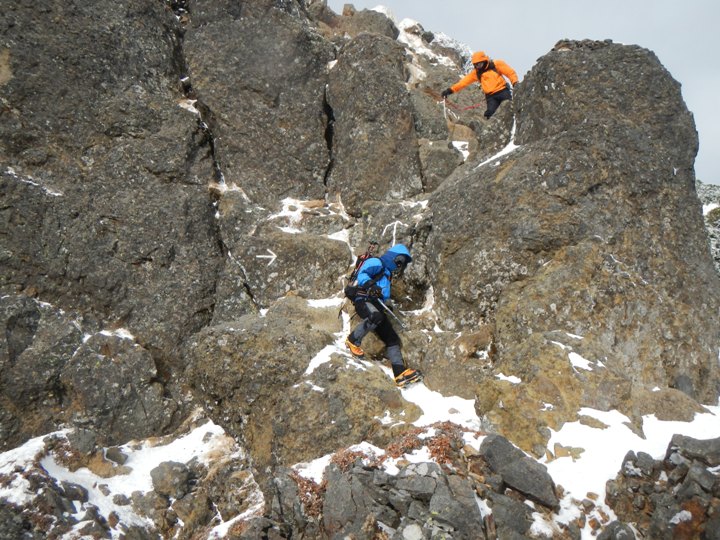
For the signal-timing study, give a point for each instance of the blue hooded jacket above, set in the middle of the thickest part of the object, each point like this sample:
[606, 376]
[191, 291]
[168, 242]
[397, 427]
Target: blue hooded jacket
[385, 264]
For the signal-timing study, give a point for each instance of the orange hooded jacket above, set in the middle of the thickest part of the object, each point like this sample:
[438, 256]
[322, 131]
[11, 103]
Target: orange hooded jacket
[491, 81]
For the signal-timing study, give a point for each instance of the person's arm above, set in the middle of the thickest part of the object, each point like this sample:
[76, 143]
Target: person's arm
[504, 69]
[370, 268]
[467, 80]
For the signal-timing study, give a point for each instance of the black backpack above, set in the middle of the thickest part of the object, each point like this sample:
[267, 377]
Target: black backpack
[352, 290]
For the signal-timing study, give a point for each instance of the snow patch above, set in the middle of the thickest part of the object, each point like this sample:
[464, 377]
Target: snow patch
[428, 304]
[462, 147]
[256, 508]
[414, 42]
[204, 443]
[341, 236]
[326, 302]
[511, 146]
[19, 490]
[599, 462]
[578, 361]
[439, 408]
[314, 469]
[293, 209]
[321, 358]
[512, 379]
[707, 208]
[681, 516]
[482, 505]
[542, 528]
[338, 347]
[122, 333]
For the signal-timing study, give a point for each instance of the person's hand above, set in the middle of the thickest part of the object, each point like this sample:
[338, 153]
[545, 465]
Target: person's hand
[445, 93]
[515, 84]
[375, 291]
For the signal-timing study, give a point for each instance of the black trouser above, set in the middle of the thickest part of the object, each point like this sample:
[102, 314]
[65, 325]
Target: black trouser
[375, 320]
[493, 101]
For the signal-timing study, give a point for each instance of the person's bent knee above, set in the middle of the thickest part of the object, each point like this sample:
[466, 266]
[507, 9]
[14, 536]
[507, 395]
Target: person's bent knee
[375, 318]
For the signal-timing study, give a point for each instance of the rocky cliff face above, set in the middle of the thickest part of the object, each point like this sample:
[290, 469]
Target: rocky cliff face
[182, 181]
[573, 268]
[710, 197]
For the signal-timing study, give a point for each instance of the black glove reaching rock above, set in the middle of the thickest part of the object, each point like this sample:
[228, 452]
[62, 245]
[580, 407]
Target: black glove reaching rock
[375, 291]
[445, 93]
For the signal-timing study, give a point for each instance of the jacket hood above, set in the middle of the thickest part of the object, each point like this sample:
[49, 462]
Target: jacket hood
[388, 258]
[479, 56]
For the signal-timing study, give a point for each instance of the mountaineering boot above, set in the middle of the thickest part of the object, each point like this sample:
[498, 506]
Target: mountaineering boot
[356, 350]
[407, 377]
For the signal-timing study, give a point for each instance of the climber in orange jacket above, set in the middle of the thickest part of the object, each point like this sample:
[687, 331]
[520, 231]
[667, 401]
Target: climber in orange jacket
[490, 74]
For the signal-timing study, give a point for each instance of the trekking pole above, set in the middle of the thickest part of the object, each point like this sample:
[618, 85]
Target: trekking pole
[448, 118]
[390, 311]
[447, 113]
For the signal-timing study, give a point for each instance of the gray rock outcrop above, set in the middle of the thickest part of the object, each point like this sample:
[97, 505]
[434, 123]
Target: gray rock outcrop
[676, 497]
[259, 73]
[104, 175]
[421, 497]
[258, 385]
[171, 479]
[577, 256]
[375, 154]
[710, 195]
[422, 500]
[519, 471]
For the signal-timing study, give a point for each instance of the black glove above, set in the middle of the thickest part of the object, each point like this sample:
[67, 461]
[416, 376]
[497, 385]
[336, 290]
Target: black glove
[375, 291]
[445, 93]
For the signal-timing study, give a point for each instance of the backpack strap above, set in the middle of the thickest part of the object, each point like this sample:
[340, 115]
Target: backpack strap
[370, 252]
[363, 290]
[491, 67]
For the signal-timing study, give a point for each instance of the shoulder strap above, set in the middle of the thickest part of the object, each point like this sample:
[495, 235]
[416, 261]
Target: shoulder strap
[374, 280]
[369, 284]
[369, 252]
[358, 263]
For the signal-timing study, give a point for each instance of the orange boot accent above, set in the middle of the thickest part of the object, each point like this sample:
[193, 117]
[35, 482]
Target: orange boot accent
[408, 376]
[356, 350]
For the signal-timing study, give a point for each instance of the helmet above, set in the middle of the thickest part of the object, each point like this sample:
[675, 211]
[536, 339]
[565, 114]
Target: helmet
[479, 56]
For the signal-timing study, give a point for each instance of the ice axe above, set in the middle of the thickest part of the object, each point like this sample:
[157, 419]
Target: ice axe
[390, 311]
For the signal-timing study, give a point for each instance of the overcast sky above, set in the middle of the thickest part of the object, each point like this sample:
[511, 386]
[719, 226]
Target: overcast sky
[684, 35]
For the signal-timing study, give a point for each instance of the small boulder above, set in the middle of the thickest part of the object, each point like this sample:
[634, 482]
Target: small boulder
[116, 455]
[707, 451]
[519, 471]
[617, 531]
[171, 479]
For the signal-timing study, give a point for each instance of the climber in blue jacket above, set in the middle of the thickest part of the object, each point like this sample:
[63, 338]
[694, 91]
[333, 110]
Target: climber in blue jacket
[373, 289]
